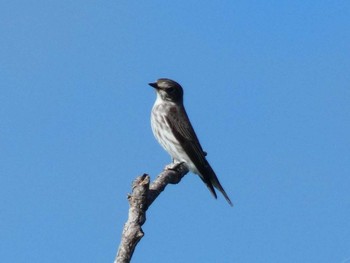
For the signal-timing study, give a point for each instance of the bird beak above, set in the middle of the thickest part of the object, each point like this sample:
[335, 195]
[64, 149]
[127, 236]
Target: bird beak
[154, 85]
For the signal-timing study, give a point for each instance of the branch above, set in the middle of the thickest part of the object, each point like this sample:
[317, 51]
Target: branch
[142, 196]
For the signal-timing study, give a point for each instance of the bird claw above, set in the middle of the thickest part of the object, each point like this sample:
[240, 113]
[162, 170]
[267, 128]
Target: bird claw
[173, 166]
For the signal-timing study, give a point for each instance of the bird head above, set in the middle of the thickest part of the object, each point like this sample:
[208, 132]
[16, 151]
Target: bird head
[168, 90]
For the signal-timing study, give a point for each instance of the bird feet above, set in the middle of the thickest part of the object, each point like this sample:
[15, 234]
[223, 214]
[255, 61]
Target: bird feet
[173, 166]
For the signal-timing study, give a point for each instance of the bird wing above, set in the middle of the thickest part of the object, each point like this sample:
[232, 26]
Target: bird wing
[183, 131]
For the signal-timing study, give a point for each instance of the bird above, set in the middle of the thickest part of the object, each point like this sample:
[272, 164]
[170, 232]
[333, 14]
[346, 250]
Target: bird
[174, 132]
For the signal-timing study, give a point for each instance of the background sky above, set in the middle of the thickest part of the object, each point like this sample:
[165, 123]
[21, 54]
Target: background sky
[267, 88]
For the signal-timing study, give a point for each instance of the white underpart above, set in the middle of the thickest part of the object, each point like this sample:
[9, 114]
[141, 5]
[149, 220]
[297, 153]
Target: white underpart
[165, 135]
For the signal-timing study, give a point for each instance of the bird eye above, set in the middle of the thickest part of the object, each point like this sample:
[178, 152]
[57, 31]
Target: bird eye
[171, 90]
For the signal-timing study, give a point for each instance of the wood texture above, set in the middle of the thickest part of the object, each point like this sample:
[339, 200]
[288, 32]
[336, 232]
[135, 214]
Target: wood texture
[142, 196]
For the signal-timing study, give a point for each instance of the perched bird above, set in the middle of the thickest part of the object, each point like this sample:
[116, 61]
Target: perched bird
[173, 130]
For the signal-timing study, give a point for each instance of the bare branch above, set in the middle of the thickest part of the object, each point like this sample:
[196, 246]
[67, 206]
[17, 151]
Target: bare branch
[142, 196]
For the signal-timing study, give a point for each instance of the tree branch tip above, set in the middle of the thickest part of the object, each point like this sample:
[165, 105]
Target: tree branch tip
[142, 196]
[141, 180]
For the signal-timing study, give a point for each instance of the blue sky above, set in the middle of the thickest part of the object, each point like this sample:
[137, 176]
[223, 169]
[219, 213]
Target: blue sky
[266, 87]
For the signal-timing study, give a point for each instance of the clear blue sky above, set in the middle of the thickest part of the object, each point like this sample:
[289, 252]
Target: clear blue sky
[267, 87]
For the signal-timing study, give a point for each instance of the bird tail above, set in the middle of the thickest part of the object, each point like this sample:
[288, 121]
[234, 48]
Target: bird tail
[215, 182]
[210, 179]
